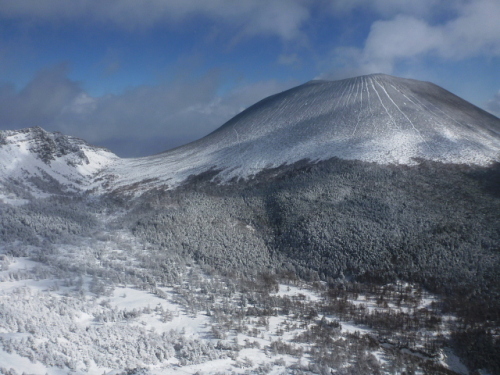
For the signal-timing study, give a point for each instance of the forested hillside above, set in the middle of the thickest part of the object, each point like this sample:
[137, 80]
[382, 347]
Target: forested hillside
[432, 224]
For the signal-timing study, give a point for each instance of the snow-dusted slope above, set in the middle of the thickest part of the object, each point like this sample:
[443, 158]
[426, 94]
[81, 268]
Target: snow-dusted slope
[42, 162]
[375, 118]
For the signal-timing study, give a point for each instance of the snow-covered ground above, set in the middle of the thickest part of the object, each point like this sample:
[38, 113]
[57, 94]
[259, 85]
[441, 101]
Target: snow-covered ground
[54, 322]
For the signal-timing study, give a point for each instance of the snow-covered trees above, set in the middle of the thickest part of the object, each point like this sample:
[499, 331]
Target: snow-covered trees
[221, 252]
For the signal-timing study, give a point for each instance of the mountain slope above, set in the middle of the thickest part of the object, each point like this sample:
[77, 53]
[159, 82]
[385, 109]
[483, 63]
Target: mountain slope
[375, 118]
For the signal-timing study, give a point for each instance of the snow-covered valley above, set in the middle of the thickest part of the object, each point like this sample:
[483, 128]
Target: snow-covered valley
[151, 285]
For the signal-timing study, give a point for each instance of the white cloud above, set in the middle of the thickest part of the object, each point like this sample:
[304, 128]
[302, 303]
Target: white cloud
[474, 31]
[402, 37]
[250, 17]
[143, 120]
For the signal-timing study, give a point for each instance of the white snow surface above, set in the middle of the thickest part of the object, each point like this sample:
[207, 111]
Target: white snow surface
[375, 118]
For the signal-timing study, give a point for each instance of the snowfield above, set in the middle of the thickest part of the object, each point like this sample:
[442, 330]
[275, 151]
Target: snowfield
[56, 321]
[250, 350]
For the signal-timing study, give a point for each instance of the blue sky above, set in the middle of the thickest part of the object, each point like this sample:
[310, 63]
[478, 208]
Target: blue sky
[140, 77]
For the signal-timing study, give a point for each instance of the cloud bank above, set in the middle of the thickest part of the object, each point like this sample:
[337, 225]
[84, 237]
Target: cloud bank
[141, 121]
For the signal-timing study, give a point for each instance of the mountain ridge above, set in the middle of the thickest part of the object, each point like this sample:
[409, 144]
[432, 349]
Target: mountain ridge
[42, 163]
[373, 118]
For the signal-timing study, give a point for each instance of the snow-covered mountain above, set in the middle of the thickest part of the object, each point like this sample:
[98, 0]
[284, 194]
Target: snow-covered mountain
[41, 162]
[212, 278]
[374, 118]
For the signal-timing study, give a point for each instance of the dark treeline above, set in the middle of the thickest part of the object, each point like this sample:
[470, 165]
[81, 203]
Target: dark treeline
[49, 220]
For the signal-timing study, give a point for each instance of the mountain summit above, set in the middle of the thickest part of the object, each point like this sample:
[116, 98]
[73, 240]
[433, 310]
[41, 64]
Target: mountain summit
[375, 118]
